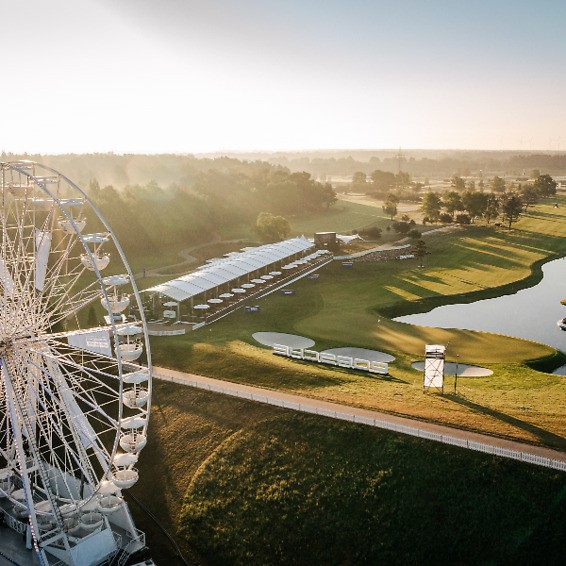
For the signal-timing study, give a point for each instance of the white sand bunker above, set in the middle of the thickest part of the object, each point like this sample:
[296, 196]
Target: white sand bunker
[464, 370]
[560, 371]
[362, 354]
[291, 340]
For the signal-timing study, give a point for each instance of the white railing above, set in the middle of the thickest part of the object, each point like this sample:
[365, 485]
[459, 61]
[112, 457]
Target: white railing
[403, 429]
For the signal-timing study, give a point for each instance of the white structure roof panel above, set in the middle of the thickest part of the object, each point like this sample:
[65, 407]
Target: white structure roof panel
[228, 269]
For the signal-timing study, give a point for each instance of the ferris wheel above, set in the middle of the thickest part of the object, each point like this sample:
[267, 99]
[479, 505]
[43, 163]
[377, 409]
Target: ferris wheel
[75, 376]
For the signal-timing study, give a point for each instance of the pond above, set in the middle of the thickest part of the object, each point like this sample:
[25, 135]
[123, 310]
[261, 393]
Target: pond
[531, 313]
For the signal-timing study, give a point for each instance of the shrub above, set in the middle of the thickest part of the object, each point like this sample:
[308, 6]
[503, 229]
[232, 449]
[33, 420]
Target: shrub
[462, 218]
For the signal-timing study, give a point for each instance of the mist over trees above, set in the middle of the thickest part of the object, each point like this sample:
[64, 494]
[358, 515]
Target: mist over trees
[214, 203]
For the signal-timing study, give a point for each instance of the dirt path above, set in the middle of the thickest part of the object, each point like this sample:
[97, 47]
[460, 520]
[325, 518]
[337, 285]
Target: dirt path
[440, 433]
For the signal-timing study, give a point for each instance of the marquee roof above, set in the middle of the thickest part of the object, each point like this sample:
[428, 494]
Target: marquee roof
[227, 269]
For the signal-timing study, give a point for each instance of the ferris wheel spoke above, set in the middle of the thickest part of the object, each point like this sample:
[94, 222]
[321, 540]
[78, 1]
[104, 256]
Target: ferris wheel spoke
[55, 413]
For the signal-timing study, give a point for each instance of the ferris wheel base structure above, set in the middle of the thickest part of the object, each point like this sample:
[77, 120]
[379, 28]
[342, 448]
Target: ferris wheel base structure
[75, 393]
[106, 546]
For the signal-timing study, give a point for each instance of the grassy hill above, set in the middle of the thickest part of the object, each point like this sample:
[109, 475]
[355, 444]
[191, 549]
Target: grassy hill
[242, 483]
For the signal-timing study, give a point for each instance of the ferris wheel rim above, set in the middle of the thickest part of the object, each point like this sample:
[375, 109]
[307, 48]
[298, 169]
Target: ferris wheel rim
[113, 327]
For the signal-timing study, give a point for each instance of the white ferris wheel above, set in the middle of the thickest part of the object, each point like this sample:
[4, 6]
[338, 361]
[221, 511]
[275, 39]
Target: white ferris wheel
[74, 395]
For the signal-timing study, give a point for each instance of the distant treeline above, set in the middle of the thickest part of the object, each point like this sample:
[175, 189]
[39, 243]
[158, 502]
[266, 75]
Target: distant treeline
[426, 167]
[216, 202]
[167, 169]
[422, 163]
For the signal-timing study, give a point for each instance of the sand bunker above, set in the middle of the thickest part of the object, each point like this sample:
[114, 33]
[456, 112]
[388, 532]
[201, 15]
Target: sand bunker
[291, 340]
[362, 354]
[464, 370]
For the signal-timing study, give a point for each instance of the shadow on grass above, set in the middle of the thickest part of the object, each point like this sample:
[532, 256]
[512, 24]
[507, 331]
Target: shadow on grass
[547, 438]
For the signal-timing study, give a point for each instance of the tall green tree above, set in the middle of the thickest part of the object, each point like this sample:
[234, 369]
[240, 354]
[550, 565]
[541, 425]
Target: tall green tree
[545, 185]
[452, 202]
[529, 195]
[359, 182]
[420, 251]
[511, 208]
[271, 228]
[390, 205]
[498, 185]
[457, 183]
[431, 205]
[491, 211]
[474, 202]
[382, 180]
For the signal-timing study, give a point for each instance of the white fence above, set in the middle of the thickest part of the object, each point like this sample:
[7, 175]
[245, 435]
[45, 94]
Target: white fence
[403, 429]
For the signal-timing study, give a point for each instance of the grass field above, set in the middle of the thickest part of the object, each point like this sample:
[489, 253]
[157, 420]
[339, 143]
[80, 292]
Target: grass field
[348, 307]
[261, 485]
[344, 216]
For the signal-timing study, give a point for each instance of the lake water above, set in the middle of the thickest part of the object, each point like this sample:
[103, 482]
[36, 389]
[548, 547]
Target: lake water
[530, 313]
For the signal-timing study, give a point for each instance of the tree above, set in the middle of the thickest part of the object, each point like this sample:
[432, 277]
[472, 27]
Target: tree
[431, 206]
[390, 205]
[452, 202]
[491, 210]
[457, 183]
[511, 208]
[401, 227]
[545, 185]
[382, 180]
[403, 179]
[420, 251]
[529, 195]
[359, 182]
[328, 195]
[271, 228]
[371, 233]
[474, 202]
[498, 185]
[414, 234]
[93, 189]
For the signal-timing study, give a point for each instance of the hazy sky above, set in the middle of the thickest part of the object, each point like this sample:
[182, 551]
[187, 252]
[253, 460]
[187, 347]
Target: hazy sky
[219, 75]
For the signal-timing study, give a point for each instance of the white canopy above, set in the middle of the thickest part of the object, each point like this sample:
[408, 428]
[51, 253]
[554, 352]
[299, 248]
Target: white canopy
[229, 269]
[347, 239]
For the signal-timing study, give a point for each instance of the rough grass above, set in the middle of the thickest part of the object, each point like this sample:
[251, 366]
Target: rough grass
[187, 426]
[298, 489]
[262, 485]
[342, 217]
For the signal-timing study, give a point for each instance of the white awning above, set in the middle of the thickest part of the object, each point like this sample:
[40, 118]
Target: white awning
[229, 269]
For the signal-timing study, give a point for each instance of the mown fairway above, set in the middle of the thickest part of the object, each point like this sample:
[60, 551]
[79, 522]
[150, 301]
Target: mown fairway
[346, 307]
[262, 485]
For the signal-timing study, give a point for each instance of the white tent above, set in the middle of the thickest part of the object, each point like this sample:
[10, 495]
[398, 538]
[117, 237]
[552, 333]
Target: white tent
[229, 269]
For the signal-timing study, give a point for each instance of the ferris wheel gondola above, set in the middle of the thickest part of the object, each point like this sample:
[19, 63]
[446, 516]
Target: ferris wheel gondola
[74, 399]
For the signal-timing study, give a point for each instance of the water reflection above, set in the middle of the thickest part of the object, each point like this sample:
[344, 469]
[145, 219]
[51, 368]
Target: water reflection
[530, 313]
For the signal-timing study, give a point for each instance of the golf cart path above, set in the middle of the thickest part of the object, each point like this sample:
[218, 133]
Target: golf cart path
[441, 433]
